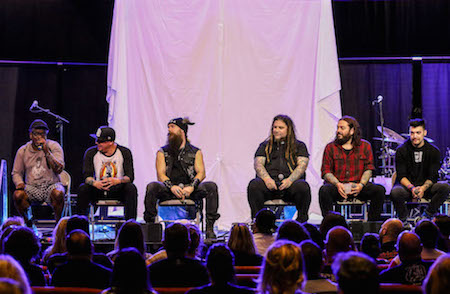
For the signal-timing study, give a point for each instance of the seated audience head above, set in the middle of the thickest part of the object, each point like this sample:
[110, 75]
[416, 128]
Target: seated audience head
[283, 268]
[13, 220]
[315, 234]
[390, 230]
[10, 286]
[241, 239]
[78, 222]
[59, 236]
[22, 244]
[130, 272]
[356, 273]
[220, 264]
[339, 239]
[265, 222]
[409, 247]
[130, 235]
[293, 231]
[331, 220]
[5, 233]
[312, 255]
[438, 278]
[442, 221]
[428, 233]
[370, 245]
[195, 240]
[79, 245]
[176, 240]
[10, 268]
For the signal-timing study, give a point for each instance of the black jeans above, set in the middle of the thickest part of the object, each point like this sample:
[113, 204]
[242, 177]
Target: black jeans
[438, 193]
[328, 194]
[158, 191]
[299, 193]
[127, 193]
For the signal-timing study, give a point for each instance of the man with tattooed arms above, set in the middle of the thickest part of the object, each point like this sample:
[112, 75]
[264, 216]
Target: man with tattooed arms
[280, 164]
[36, 171]
[347, 167]
[417, 163]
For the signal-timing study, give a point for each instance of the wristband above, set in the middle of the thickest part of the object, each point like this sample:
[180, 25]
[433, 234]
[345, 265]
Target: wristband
[168, 184]
[195, 183]
[410, 187]
[362, 184]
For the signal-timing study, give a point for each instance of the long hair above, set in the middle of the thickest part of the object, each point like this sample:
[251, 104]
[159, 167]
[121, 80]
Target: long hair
[10, 268]
[283, 268]
[353, 123]
[438, 278]
[291, 139]
[58, 238]
[241, 239]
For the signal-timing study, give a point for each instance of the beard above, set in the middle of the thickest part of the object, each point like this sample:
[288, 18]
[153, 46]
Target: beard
[343, 140]
[174, 141]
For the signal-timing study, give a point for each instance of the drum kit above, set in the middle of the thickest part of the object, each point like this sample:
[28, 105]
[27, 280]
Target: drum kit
[390, 141]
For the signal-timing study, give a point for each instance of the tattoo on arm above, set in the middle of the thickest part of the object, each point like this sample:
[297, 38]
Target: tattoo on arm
[125, 179]
[54, 164]
[261, 171]
[302, 164]
[330, 178]
[366, 177]
[89, 181]
[427, 184]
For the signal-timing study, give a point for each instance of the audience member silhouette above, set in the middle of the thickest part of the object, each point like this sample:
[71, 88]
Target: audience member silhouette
[24, 246]
[177, 270]
[293, 231]
[79, 270]
[283, 270]
[10, 268]
[264, 229]
[130, 235]
[243, 247]
[438, 278]
[356, 273]
[339, 239]
[129, 273]
[220, 265]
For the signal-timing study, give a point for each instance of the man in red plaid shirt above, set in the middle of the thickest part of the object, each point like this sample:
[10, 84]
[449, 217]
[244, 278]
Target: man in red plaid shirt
[347, 167]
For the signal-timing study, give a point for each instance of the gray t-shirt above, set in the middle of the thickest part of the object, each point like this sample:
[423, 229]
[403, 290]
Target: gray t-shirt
[31, 167]
[108, 166]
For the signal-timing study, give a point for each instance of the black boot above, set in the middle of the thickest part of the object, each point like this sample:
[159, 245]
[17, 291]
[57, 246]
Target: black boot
[210, 227]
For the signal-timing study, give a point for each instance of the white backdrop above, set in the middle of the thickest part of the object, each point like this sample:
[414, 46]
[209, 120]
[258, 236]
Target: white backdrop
[231, 66]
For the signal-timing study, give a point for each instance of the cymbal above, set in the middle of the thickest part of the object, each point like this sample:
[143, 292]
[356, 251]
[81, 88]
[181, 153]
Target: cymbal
[429, 140]
[392, 135]
[389, 140]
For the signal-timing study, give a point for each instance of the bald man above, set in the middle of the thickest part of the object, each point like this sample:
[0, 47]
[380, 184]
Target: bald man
[339, 239]
[413, 269]
[389, 232]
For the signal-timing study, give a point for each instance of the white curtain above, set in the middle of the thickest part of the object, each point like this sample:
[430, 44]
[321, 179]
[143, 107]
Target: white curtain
[231, 66]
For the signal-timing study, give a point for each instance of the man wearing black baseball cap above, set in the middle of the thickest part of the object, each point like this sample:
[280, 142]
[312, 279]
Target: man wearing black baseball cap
[180, 170]
[36, 170]
[108, 173]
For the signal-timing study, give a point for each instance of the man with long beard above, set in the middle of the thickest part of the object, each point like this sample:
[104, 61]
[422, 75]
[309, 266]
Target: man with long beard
[347, 167]
[180, 171]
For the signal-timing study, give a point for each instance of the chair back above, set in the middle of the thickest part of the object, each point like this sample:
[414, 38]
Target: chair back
[64, 290]
[66, 180]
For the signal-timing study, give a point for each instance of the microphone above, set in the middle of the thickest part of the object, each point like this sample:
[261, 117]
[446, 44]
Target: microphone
[378, 100]
[181, 185]
[33, 106]
[280, 177]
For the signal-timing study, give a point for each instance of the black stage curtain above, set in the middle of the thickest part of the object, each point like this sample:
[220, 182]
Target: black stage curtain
[363, 82]
[392, 27]
[77, 93]
[436, 102]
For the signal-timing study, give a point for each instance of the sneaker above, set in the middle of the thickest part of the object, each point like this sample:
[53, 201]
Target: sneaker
[419, 218]
[210, 235]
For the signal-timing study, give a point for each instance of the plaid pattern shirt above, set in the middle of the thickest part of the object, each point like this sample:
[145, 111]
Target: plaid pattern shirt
[347, 168]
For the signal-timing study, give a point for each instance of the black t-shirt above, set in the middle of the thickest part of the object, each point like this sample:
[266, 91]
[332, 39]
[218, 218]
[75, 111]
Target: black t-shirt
[277, 163]
[178, 175]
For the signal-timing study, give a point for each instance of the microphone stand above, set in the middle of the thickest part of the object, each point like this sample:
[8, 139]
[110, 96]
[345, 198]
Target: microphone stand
[59, 121]
[385, 170]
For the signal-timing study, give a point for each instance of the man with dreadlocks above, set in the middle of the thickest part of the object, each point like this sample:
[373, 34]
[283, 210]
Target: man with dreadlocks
[347, 167]
[280, 164]
[180, 171]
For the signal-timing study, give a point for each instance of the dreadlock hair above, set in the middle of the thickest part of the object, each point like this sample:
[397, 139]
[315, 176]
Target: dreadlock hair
[291, 140]
[353, 124]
